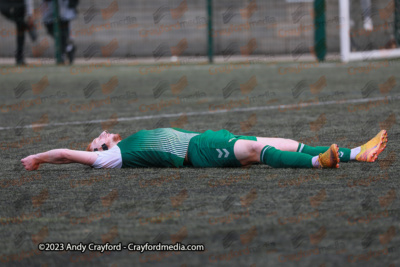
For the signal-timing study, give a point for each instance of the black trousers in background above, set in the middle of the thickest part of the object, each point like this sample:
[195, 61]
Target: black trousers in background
[16, 13]
[64, 32]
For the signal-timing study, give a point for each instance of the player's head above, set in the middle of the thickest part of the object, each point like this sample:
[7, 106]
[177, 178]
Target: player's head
[104, 142]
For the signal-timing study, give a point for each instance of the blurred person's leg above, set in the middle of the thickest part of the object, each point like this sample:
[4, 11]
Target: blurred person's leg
[63, 35]
[68, 44]
[67, 47]
[366, 11]
[16, 13]
[50, 31]
[19, 53]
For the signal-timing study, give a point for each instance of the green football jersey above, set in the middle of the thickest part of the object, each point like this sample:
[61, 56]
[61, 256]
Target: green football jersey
[163, 147]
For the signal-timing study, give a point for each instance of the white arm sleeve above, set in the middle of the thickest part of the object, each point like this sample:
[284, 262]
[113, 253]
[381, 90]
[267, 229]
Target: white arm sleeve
[108, 159]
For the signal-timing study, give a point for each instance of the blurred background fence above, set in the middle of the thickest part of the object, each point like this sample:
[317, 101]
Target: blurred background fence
[157, 29]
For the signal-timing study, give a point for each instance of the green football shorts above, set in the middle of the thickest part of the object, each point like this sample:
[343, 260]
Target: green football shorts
[215, 149]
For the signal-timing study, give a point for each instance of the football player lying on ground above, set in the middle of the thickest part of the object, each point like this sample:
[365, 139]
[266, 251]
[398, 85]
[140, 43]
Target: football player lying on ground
[173, 147]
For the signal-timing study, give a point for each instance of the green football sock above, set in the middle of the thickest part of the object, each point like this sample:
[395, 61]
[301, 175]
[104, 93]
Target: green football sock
[285, 159]
[344, 153]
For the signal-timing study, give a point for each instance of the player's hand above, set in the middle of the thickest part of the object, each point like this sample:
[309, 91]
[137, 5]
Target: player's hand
[30, 163]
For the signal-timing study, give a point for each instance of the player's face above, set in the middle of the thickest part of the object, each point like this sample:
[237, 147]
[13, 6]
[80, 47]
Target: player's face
[105, 138]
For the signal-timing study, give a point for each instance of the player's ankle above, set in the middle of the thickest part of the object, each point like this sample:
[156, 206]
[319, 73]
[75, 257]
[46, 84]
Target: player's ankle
[354, 152]
[315, 162]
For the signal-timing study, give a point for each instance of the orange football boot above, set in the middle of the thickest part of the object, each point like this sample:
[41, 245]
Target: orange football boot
[371, 150]
[330, 158]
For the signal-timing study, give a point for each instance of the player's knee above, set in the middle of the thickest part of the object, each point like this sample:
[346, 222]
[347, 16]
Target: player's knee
[255, 149]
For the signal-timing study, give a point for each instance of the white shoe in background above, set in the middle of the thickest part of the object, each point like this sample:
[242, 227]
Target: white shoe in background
[368, 24]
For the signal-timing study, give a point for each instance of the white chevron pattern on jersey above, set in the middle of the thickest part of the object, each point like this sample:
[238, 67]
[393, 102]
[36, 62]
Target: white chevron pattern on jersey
[170, 141]
[220, 153]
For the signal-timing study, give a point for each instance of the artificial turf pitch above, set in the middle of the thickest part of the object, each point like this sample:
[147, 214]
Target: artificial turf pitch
[256, 216]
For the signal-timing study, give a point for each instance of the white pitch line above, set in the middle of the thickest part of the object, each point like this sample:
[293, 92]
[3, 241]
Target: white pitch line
[302, 105]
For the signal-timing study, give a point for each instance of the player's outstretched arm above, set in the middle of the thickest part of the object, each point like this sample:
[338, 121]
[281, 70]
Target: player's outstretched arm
[59, 156]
